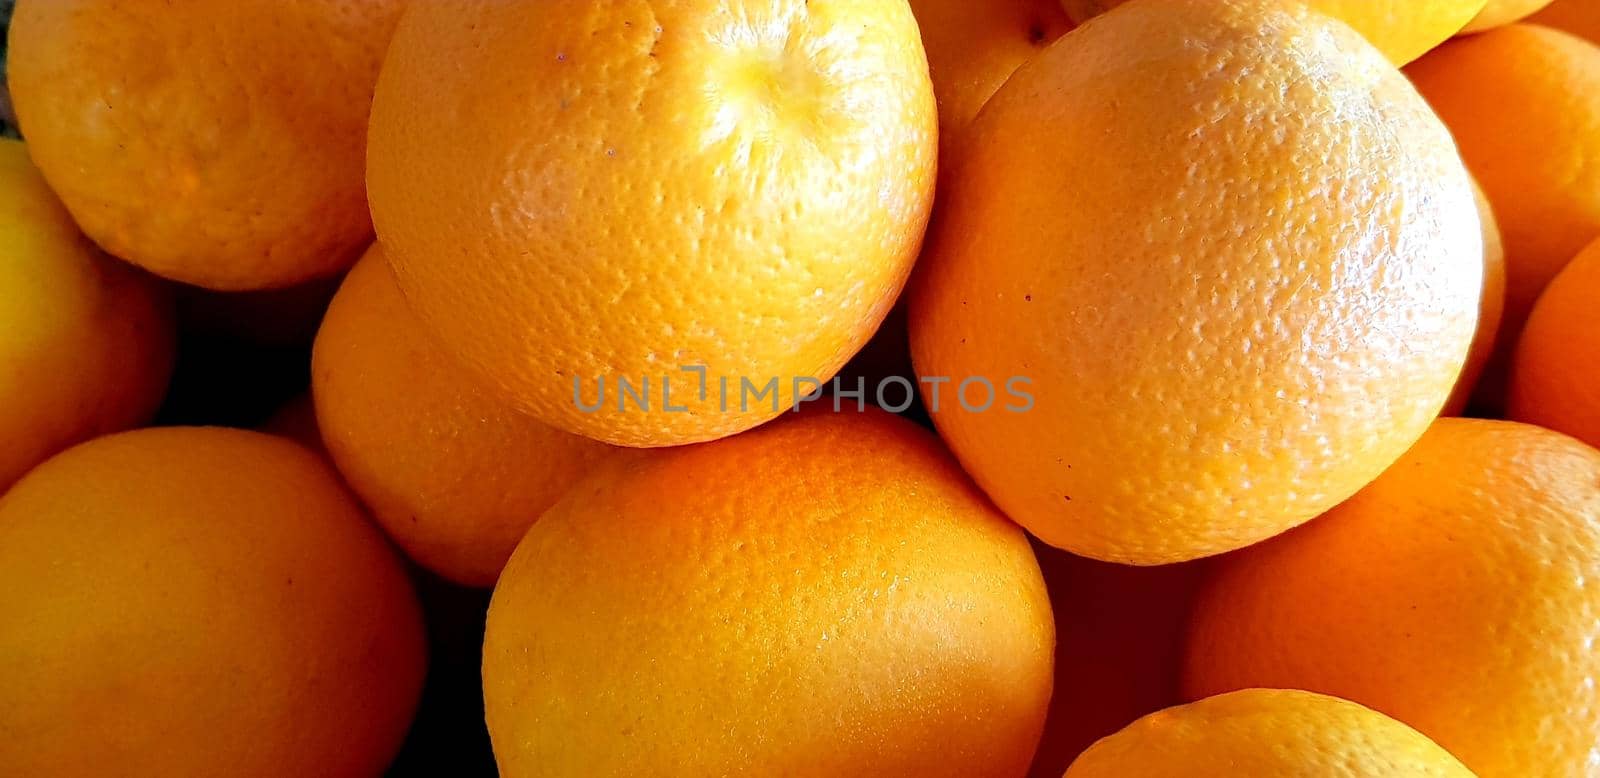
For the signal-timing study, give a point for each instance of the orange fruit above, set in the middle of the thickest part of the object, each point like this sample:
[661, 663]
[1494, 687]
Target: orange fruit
[825, 596]
[452, 473]
[199, 601]
[88, 341]
[1555, 379]
[1524, 104]
[974, 47]
[1579, 17]
[1453, 594]
[653, 188]
[1120, 650]
[1402, 29]
[1268, 732]
[221, 145]
[1223, 331]
[1491, 304]
[1499, 13]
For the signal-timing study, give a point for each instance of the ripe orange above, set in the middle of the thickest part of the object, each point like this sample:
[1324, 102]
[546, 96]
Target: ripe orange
[1455, 593]
[1225, 330]
[219, 144]
[1490, 305]
[87, 341]
[1119, 650]
[1524, 104]
[1402, 29]
[825, 596]
[632, 189]
[1268, 732]
[1499, 13]
[192, 601]
[453, 474]
[1579, 17]
[1555, 379]
[974, 47]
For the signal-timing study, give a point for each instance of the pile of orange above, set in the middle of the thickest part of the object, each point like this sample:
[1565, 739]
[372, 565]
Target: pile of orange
[800, 387]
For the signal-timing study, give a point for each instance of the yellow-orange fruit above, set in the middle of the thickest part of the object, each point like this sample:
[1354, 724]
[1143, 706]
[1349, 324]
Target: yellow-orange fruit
[85, 342]
[1555, 378]
[1490, 306]
[1455, 593]
[1499, 13]
[1231, 256]
[649, 186]
[1120, 650]
[220, 143]
[1402, 29]
[974, 47]
[1268, 732]
[199, 601]
[454, 474]
[825, 596]
[1524, 105]
[1579, 17]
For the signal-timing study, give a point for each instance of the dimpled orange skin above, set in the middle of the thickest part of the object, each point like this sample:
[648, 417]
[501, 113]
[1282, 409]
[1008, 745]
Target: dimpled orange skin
[1499, 13]
[1579, 17]
[1555, 379]
[1268, 732]
[974, 47]
[221, 145]
[1241, 271]
[1524, 105]
[1402, 29]
[849, 605]
[1455, 593]
[190, 601]
[452, 473]
[649, 185]
[88, 341]
[1490, 306]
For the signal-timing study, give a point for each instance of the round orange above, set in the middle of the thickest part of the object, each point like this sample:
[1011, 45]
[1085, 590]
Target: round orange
[578, 191]
[1402, 29]
[1579, 17]
[1499, 13]
[1555, 378]
[220, 143]
[1267, 732]
[1455, 593]
[1524, 105]
[1224, 330]
[452, 473]
[974, 47]
[825, 596]
[190, 601]
[1491, 304]
[86, 343]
